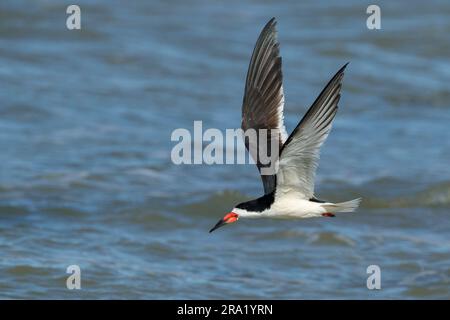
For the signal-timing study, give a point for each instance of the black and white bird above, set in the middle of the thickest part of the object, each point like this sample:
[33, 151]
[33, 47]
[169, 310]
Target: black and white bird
[289, 192]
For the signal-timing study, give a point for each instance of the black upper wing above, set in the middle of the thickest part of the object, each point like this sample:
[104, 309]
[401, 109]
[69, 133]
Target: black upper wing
[264, 100]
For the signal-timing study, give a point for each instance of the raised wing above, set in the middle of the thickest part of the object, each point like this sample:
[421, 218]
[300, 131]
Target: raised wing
[264, 101]
[300, 154]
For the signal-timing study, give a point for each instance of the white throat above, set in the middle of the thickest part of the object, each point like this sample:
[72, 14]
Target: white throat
[249, 214]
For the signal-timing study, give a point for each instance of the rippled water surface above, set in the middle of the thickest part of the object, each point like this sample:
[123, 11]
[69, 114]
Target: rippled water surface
[86, 176]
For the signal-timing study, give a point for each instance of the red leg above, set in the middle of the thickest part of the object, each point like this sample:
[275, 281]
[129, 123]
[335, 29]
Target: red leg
[328, 214]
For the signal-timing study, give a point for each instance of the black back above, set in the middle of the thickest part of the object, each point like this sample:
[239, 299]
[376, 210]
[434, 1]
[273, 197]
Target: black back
[258, 205]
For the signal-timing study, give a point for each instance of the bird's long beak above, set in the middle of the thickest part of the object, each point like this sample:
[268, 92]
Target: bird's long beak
[229, 218]
[219, 224]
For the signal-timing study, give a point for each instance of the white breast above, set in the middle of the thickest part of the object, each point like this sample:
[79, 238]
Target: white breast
[291, 206]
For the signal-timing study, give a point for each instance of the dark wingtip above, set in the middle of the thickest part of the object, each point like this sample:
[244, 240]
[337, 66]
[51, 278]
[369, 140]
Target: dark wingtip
[340, 73]
[345, 66]
[271, 24]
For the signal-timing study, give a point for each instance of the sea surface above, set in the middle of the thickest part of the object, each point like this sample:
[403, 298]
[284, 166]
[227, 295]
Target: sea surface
[86, 176]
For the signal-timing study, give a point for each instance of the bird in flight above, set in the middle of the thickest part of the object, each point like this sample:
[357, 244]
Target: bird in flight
[288, 192]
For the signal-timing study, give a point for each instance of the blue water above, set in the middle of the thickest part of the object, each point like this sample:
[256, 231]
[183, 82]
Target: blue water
[86, 176]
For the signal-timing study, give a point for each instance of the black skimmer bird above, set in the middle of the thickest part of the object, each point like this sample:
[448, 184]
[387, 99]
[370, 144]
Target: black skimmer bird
[289, 192]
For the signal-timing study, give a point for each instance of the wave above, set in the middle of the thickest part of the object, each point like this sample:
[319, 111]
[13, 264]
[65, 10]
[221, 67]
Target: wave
[436, 195]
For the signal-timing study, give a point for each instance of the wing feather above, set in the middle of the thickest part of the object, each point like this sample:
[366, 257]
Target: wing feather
[263, 102]
[300, 154]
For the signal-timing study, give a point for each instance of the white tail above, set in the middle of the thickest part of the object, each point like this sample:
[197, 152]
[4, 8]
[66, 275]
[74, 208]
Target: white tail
[348, 206]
